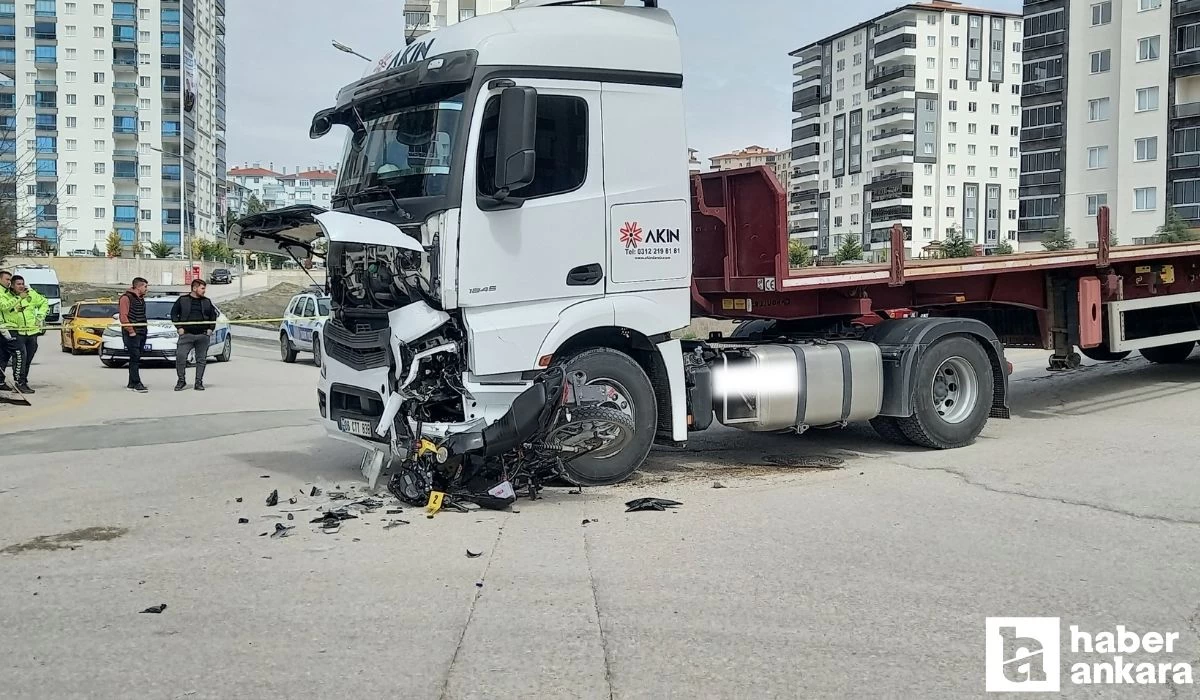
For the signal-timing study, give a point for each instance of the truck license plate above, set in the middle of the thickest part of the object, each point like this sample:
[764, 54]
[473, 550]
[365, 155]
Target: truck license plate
[360, 428]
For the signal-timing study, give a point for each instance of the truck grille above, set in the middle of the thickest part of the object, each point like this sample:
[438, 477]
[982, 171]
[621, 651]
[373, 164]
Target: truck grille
[359, 351]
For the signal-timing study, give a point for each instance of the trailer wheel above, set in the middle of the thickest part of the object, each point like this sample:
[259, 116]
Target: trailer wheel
[888, 428]
[953, 395]
[1169, 354]
[1103, 354]
[632, 394]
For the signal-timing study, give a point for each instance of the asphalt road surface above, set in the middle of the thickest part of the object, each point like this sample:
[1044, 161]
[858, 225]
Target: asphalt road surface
[869, 580]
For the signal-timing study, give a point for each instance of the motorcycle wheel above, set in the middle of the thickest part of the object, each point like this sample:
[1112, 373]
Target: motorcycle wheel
[591, 428]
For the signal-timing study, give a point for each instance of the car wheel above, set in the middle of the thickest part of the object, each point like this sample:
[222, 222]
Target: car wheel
[317, 350]
[632, 394]
[287, 353]
[227, 350]
[65, 348]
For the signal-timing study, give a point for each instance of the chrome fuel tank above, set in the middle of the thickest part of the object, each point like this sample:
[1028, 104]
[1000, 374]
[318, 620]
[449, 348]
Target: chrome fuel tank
[777, 387]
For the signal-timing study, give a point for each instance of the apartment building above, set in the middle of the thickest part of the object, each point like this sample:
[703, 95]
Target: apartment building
[911, 117]
[98, 100]
[313, 185]
[1130, 136]
[752, 156]
[423, 16]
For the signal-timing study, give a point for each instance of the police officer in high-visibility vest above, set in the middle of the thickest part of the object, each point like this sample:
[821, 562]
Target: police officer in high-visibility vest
[22, 312]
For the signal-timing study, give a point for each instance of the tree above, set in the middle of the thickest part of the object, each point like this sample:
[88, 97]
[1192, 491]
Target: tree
[23, 200]
[956, 245]
[137, 249]
[851, 249]
[1059, 239]
[1004, 248]
[197, 248]
[113, 245]
[1176, 230]
[799, 254]
[159, 249]
[254, 205]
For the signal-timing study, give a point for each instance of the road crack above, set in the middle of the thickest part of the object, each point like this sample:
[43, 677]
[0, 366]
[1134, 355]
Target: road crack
[587, 555]
[1053, 499]
[442, 694]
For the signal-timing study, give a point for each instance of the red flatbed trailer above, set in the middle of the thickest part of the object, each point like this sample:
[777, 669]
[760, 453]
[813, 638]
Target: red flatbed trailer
[1105, 301]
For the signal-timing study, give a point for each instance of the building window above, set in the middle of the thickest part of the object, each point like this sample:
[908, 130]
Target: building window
[1147, 99]
[953, 84]
[1146, 149]
[1094, 202]
[1097, 157]
[929, 193]
[97, 77]
[995, 129]
[953, 105]
[1099, 109]
[954, 41]
[1145, 199]
[994, 150]
[1144, 5]
[951, 148]
[1101, 61]
[1101, 13]
[970, 149]
[952, 127]
[972, 106]
[931, 41]
[1148, 48]
[993, 172]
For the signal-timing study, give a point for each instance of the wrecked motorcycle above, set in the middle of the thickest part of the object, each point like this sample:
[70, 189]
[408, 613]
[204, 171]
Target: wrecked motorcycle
[559, 418]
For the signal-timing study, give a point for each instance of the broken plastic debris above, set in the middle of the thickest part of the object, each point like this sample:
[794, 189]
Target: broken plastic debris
[588, 520]
[265, 476]
[718, 485]
[395, 511]
[395, 523]
[239, 499]
[479, 584]
[273, 499]
[243, 521]
[292, 500]
[473, 555]
[639, 504]
[282, 530]
[156, 609]
[315, 492]
[335, 515]
[291, 516]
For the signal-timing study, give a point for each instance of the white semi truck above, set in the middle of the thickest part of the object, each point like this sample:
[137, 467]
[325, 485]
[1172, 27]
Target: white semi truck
[514, 199]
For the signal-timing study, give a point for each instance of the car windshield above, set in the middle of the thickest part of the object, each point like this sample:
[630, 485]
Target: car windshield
[406, 149]
[220, 271]
[50, 291]
[97, 310]
[322, 307]
[159, 310]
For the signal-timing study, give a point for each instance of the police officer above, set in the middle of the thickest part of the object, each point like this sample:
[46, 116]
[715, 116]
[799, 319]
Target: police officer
[23, 310]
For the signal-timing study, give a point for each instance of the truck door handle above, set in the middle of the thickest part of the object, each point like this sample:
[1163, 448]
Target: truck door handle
[585, 275]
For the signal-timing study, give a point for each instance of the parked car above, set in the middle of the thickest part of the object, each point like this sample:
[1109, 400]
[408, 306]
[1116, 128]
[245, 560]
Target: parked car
[220, 276]
[300, 330]
[44, 280]
[162, 338]
[83, 325]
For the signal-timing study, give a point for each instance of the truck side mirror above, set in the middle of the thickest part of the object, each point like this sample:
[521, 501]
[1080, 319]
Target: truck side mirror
[515, 145]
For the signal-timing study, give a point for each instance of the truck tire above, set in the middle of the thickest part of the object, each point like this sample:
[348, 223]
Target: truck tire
[748, 329]
[953, 395]
[1103, 354]
[1169, 354]
[632, 394]
[316, 351]
[888, 428]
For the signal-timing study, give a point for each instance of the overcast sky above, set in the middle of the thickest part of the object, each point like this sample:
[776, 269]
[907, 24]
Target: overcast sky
[737, 72]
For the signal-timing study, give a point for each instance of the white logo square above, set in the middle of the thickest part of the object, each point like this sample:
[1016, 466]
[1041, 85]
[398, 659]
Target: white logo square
[1022, 655]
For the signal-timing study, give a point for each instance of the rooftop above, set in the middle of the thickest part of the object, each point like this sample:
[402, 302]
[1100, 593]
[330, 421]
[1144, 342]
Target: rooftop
[252, 172]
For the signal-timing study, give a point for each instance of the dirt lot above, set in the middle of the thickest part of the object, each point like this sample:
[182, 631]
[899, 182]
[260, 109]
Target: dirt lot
[268, 303]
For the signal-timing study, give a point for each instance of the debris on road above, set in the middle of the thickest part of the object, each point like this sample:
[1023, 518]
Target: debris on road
[238, 499]
[395, 523]
[640, 504]
[156, 609]
[575, 491]
[292, 500]
[291, 516]
[315, 492]
[587, 521]
[814, 462]
[265, 476]
[336, 515]
[243, 521]
[395, 511]
[718, 485]
[473, 555]
[273, 499]
[282, 530]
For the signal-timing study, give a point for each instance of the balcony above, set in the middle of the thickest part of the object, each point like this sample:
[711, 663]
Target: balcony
[901, 46]
[806, 98]
[45, 84]
[804, 133]
[125, 198]
[1041, 179]
[1185, 63]
[888, 31]
[125, 109]
[886, 75]
[892, 136]
[892, 114]
[1185, 7]
[902, 155]
[124, 64]
[125, 88]
[806, 152]
[890, 187]
[808, 72]
[894, 95]
[1038, 133]
[122, 41]
[124, 131]
[1042, 87]
[884, 234]
[125, 154]
[1184, 161]
[46, 104]
[45, 36]
[171, 175]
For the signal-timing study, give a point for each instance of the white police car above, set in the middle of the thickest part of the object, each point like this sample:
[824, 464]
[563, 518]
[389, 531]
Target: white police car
[300, 330]
[161, 336]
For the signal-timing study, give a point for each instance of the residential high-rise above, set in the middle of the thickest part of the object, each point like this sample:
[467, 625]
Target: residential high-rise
[911, 117]
[423, 16]
[1130, 136]
[750, 156]
[98, 100]
[313, 185]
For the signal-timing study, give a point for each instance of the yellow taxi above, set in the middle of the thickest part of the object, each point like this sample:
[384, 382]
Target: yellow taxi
[83, 325]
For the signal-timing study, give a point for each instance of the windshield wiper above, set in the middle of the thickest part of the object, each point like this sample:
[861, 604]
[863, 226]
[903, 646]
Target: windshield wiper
[374, 190]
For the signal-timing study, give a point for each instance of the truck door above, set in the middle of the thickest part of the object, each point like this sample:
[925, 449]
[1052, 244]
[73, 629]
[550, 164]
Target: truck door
[552, 247]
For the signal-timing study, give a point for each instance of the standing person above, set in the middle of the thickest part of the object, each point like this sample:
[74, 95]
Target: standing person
[7, 342]
[132, 309]
[195, 318]
[23, 310]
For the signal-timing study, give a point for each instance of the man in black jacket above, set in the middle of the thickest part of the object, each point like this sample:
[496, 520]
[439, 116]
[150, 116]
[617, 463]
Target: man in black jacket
[195, 318]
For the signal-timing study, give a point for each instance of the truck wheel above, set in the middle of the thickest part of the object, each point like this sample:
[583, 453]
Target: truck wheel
[317, 350]
[287, 353]
[748, 329]
[1103, 354]
[1169, 354]
[953, 395]
[889, 429]
[631, 393]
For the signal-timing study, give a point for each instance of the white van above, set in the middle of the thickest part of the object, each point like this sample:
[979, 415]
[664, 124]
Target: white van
[44, 280]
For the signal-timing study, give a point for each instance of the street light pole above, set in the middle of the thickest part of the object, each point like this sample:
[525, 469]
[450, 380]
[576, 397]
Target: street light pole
[346, 49]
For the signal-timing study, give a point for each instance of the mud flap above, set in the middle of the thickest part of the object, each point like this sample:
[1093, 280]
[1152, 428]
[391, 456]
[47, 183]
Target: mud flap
[372, 466]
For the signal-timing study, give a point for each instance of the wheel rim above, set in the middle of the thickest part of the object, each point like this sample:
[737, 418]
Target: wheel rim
[283, 348]
[579, 435]
[955, 390]
[228, 350]
[618, 399]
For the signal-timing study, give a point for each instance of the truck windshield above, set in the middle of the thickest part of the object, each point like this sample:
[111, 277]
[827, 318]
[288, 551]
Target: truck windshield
[406, 149]
[50, 291]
